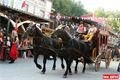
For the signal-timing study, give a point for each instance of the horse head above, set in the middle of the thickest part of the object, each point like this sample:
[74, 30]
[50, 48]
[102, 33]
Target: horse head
[61, 34]
[34, 31]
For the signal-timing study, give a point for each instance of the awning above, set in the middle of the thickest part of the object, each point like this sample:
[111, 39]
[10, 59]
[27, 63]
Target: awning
[104, 33]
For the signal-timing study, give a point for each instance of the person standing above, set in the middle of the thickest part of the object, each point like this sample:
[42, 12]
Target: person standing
[13, 51]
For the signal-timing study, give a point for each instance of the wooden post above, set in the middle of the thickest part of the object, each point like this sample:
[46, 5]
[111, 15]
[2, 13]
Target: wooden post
[8, 26]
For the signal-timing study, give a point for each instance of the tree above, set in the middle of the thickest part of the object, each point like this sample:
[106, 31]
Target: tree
[68, 7]
[100, 12]
[112, 16]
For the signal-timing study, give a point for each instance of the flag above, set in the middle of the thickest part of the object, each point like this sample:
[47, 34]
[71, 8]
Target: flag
[23, 4]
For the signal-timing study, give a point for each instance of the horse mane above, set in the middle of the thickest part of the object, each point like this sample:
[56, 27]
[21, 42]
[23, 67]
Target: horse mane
[64, 33]
[38, 31]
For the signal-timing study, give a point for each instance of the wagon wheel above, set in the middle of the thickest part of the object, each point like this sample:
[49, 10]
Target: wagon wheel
[108, 60]
[107, 63]
[97, 66]
[94, 52]
[97, 63]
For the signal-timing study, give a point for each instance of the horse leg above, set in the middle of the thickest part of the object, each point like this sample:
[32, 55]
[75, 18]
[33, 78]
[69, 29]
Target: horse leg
[118, 57]
[76, 71]
[70, 72]
[54, 64]
[84, 66]
[62, 64]
[67, 68]
[44, 64]
[35, 61]
[68, 63]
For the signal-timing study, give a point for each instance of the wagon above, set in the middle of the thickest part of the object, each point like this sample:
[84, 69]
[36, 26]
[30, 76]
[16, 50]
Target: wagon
[101, 52]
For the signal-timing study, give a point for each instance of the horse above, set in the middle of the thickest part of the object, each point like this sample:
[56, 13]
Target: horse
[43, 45]
[71, 46]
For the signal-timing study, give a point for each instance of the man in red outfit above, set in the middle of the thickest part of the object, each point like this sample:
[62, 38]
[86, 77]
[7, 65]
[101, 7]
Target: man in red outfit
[13, 51]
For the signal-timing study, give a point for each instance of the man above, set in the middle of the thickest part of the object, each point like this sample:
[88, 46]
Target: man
[92, 30]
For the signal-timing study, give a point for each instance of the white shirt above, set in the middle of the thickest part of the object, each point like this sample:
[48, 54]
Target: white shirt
[8, 43]
[93, 30]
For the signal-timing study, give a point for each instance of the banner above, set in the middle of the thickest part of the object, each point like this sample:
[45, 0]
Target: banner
[17, 4]
[38, 12]
[36, 7]
[31, 7]
[47, 15]
[10, 3]
[5, 2]
[48, 6]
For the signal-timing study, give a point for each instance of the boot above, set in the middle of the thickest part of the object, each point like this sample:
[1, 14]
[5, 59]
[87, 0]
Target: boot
[12, 61]
[118, 69]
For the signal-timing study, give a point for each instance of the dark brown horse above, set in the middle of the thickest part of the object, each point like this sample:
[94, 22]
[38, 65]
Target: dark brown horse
[73, 49]
[43, 45]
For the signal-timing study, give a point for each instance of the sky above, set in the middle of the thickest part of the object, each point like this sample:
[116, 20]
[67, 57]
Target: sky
[92, 5]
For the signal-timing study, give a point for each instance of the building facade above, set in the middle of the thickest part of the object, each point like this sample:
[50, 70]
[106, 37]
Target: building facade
[39, 8]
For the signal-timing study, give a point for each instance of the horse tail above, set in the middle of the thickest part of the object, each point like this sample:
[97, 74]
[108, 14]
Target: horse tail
[35, 61]
[88, 60]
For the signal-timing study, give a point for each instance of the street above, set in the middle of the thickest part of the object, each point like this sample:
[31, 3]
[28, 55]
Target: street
[25, 69]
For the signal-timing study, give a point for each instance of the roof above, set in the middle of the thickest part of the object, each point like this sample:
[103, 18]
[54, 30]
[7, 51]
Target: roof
[84, 20]
[104, 32]
[93, 17]
[113, 33]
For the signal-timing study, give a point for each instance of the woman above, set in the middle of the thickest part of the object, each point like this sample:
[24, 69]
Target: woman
[13, 51]
[81, 29]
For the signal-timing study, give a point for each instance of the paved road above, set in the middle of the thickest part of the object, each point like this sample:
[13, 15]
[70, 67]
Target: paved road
[24, 69]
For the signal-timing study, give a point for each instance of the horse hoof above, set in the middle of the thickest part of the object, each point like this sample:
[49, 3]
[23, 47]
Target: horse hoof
[43, 72]
[64, 76]
[70, 73]
[117, 60]
[76, 72]
[40, 67]
[83, 72]
[53, 68]
[63, 66]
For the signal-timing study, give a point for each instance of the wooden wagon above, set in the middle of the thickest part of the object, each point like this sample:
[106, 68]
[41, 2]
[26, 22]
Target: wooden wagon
[101, 51]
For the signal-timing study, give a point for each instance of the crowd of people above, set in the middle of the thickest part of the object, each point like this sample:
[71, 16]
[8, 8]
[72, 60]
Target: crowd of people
[11, 47]
[81, 30]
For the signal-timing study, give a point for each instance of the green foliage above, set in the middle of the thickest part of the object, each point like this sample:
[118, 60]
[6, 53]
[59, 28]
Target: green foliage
[113, 17]
[100, 12]
[68, 7]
